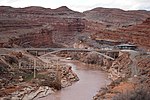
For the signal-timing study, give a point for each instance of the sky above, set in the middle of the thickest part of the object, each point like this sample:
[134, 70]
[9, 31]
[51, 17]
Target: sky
[81, 5]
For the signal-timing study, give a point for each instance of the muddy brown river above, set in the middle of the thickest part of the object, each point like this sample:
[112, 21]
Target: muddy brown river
[90, 82]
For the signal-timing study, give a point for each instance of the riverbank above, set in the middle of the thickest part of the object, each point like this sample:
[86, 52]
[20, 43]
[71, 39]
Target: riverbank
[90, 82]
[129, 71]
[36, 82]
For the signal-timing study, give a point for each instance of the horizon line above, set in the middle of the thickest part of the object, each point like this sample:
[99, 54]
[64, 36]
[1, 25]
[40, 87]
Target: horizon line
[73, 9]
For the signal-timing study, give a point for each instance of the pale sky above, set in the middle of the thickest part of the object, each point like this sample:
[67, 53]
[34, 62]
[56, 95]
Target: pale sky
[81, 5]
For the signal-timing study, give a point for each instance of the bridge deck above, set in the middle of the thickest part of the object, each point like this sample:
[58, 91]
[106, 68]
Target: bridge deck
[52, 50]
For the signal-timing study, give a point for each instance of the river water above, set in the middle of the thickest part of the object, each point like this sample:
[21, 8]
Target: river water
[90, 82]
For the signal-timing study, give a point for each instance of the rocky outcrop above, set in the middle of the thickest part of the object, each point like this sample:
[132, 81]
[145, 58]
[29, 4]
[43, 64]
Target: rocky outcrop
[121, 67]
[29, 93]
[68, 77]
[42, 38]
[143, 63]
[130, 73]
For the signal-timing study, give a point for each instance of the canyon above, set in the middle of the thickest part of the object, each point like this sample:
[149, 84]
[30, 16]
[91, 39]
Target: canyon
[27, 27]
[39, 44]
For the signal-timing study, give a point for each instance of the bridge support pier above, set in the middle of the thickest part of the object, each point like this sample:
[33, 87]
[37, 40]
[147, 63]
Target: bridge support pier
[34, 73]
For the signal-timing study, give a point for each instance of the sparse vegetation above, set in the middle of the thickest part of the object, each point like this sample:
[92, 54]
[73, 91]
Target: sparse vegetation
[28, 77]
[142, 93]
[11, 59]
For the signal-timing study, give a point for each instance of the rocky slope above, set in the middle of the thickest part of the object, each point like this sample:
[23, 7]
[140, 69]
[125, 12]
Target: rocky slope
[63, 26]
[27, 23]
[17, 79]
[137, 34]
[116, 17]
[130, 73]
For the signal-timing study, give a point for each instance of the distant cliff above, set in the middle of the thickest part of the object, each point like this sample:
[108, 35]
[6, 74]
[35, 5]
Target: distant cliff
[25, 26]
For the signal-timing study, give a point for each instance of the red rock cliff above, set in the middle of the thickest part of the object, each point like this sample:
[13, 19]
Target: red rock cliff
[64, 25]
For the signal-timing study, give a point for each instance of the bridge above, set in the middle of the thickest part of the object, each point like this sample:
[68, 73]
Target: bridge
[38, 63]
[109, 54]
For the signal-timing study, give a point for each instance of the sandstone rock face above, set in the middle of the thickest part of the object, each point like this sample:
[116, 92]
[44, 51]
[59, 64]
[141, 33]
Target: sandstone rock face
[143, 64]
[42, 38]
[121, 67]
[26, 25]
[124, 77]
[62, 26]
[138, 34]
[68, 77]
[30, 93]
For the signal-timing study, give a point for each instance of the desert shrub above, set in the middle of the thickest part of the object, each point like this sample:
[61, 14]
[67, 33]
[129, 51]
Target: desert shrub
[141, 93]
[3, 67]
[11, 59]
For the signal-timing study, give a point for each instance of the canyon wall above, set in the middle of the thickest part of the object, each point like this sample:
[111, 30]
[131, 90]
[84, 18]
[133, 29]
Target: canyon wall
[138, 34]
[62, 26]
